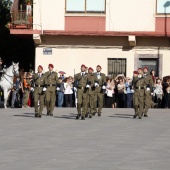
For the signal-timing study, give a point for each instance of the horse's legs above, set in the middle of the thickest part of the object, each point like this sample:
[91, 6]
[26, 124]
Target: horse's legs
[6, 96]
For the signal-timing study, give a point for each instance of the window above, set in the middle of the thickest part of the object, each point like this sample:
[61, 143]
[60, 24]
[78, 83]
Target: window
[85, 6]
[116, 66]
[163, 7]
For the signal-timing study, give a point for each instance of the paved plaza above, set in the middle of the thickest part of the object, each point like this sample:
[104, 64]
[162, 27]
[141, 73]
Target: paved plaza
[113, 141]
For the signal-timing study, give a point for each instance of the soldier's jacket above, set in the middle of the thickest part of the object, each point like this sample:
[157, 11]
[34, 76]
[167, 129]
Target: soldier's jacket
[51, 80]
[101, 81]
[91, 81]
[150, 82]
[80, 81]
[38, 83]
[140, 84]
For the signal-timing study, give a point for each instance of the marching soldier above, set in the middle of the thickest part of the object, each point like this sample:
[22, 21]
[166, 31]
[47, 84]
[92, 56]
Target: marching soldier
[39, 88]
[139, 84]
[90, 92]
[51, 80]
[148, 90]
[100, 85]
[80, 82]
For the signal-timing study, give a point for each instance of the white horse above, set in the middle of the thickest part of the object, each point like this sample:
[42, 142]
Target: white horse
[7, 78]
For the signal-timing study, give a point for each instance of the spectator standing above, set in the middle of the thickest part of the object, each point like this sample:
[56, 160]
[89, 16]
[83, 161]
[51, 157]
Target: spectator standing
[15, 94]
[60, 92]
[109, 92]
[129, 91]
[68, 93]
[168, 95]
[113, 84]
[26, 86]
[158, 92]
[121, 93]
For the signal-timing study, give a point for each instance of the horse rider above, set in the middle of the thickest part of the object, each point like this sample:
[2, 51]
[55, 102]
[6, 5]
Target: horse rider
[2, 71]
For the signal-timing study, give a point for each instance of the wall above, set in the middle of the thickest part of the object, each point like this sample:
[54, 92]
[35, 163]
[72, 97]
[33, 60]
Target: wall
[134, 15]
[131, 15]
[68, 59]
[49, 14]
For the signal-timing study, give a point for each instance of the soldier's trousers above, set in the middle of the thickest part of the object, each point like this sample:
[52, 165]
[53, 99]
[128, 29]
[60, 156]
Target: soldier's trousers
[90, 103]
[99, 98]
[138, 103]
[50, 101]
[147, 102]
[26, 97]
[81, 101]
[38, 97]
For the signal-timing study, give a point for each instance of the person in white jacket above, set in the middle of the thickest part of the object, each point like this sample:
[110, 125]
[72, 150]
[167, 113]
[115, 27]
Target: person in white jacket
[68, 92]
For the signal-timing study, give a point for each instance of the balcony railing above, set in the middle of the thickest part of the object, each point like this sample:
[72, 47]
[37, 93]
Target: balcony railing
[21, 20]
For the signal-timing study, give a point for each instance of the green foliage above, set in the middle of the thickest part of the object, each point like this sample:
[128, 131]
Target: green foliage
[5, 17]
[14, 48]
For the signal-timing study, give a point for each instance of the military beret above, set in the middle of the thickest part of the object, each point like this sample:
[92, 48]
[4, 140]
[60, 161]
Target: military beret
[145, 68]
[135, 72]
[91, 69]
[51, 65]
[40, 67]
[83, 66]
[140, 69]
[99, 66]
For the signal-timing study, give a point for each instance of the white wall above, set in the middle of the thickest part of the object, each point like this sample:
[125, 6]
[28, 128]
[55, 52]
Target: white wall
[69, 59]
[121, 15]
[49, 14]
[131, 15]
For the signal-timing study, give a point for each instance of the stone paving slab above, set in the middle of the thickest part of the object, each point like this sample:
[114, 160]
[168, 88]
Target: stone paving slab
[113, 141]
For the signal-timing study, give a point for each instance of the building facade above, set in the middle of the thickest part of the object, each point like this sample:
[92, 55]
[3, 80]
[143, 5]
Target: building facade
[120, 36]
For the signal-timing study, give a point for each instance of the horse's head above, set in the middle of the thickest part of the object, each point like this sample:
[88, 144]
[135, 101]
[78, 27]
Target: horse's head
[15, 68]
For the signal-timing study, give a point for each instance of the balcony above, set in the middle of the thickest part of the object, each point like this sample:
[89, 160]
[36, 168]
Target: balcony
[21, 20]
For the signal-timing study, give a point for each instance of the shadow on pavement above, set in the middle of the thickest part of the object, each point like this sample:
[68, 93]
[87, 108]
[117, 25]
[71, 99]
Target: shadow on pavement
[127, 117]
[73, 116]
[123, 114]
[23, 116]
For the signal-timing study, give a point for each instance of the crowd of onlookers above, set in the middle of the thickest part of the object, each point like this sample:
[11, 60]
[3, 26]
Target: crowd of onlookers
[118, 94]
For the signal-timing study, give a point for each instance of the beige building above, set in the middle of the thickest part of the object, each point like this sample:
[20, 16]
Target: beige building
[120, 36]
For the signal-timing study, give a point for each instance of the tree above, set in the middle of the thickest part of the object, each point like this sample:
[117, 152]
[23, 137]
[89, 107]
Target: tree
[5, 6]
[14, 48]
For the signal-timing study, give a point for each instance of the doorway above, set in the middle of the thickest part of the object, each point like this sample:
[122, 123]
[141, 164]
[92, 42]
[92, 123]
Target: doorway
[150, 63]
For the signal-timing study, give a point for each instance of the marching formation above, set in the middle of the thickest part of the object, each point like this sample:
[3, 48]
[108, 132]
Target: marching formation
[89, 88]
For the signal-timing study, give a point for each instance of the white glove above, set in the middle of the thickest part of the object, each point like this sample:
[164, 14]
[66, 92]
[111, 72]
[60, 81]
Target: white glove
[57, 88]
[132, 91]
[32, 89]
[44, 89]
[75, 89]
[87, 86]
[104, 87]
[152, 94]
[147, 88]
[96, 84]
